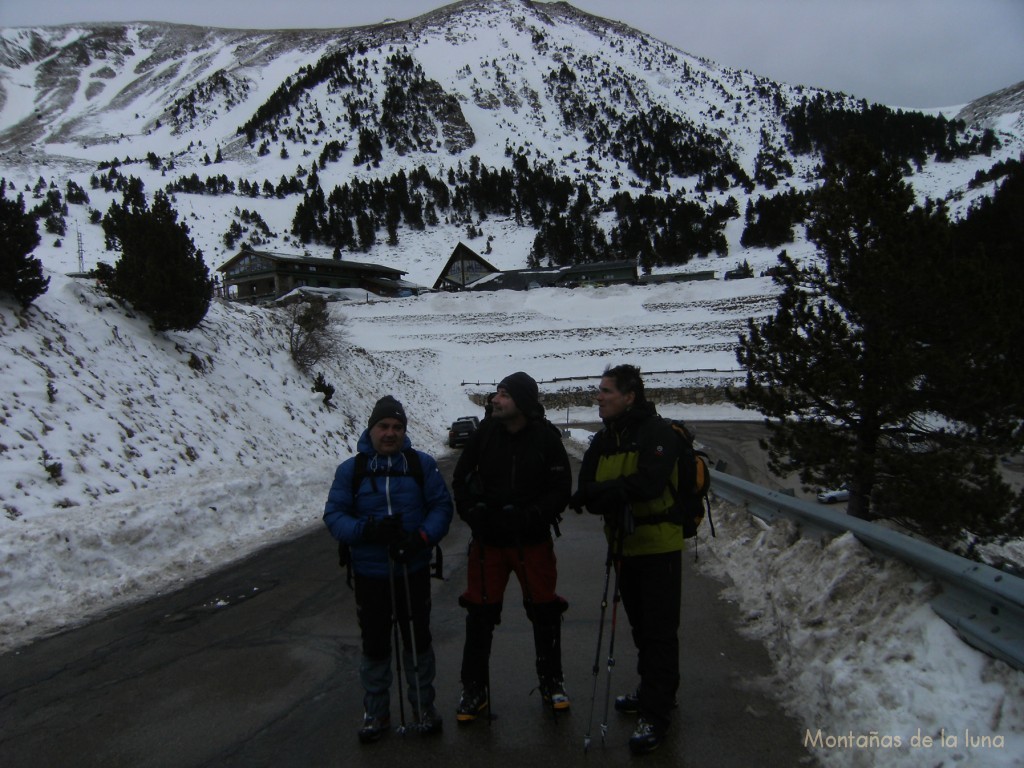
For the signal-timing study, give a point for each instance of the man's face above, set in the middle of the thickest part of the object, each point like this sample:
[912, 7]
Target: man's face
[611, 403]
[387, 436]
[503, 407]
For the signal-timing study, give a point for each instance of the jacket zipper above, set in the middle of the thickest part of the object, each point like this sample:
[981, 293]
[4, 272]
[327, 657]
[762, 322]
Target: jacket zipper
[387, 488]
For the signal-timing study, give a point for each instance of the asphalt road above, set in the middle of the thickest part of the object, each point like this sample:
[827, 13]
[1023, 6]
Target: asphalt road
[257, 666]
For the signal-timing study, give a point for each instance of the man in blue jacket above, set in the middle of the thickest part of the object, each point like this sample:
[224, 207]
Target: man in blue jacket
[389, 504]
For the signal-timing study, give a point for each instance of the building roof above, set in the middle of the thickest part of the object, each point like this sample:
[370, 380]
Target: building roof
[541, 277]
[596, 267]
[677, 277]
[336, 265]
[455, 274]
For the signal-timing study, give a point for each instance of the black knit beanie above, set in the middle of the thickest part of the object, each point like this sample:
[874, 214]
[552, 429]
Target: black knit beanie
[387, 408]
[523, 390]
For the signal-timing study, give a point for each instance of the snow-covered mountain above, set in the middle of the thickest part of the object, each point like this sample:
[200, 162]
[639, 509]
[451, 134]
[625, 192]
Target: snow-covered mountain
[503, 81]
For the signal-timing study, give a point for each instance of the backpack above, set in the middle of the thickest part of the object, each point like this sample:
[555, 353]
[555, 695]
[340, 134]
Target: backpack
[358, 474]
[691, 502]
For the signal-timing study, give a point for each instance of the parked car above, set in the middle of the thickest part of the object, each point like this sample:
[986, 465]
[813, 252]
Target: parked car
[461, 429]
[831, 497]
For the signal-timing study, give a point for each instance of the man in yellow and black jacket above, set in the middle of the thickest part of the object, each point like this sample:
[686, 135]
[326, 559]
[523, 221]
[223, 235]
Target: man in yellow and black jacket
[627, 476]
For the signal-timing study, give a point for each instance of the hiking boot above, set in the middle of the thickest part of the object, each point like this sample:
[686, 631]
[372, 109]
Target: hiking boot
[373, 728]
[472, 704]
[430, 721]
[553, 693]
[627, 703]
[646, 737]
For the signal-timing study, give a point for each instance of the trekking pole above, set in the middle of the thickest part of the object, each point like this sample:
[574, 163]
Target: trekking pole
[412, 642]
[597, 653]
[397, 645]
[616, 597]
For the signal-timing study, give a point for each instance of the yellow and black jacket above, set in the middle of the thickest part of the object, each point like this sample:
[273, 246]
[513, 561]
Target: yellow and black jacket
[629, 466]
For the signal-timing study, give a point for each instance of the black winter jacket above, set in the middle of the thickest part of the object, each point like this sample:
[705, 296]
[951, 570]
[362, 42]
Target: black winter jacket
[511, 487]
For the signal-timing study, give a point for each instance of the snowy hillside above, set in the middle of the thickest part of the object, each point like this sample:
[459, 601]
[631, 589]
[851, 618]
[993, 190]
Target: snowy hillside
[183, 450]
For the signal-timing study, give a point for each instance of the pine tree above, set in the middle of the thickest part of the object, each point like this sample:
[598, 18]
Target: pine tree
[160, 271]
[866, 372]
[21, 275]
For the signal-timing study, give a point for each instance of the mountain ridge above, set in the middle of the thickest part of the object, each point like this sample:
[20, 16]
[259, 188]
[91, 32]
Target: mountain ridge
[502, 81]
[115, 44]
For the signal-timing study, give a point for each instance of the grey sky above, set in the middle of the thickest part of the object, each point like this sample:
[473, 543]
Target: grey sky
[909, 53]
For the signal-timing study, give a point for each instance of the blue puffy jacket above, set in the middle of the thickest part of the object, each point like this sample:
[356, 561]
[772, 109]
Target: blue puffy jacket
[387, 489]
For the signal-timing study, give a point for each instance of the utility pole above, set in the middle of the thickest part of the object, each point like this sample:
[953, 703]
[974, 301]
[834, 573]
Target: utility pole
[81, 251]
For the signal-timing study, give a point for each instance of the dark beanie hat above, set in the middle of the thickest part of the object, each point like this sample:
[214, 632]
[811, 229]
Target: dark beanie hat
[523, 390]
[387, 408]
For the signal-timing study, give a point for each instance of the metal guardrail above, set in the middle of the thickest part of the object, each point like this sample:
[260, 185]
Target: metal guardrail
[591, 376]
[983, 604]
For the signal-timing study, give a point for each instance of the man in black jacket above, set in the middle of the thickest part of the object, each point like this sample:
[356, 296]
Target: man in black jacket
[511, 485]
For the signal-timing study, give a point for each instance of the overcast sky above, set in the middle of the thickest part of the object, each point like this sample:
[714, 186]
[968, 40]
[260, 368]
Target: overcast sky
[909, 53]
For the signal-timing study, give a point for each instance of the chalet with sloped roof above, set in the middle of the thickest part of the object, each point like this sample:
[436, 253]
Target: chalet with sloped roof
[464, 266]
[263, 276]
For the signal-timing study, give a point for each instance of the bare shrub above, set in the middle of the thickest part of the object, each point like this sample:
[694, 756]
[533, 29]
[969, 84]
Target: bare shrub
[314, 336]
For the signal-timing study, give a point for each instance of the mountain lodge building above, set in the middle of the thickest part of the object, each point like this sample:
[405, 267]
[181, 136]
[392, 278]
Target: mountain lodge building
[263, 276]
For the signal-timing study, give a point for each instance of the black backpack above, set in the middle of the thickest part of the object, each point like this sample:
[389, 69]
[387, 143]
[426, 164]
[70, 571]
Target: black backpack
[691, 502]
[359, 473]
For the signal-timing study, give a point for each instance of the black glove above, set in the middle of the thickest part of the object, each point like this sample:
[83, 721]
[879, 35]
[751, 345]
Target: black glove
[411, 545]
[383, 530]
[476, 517]
[606, 499]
